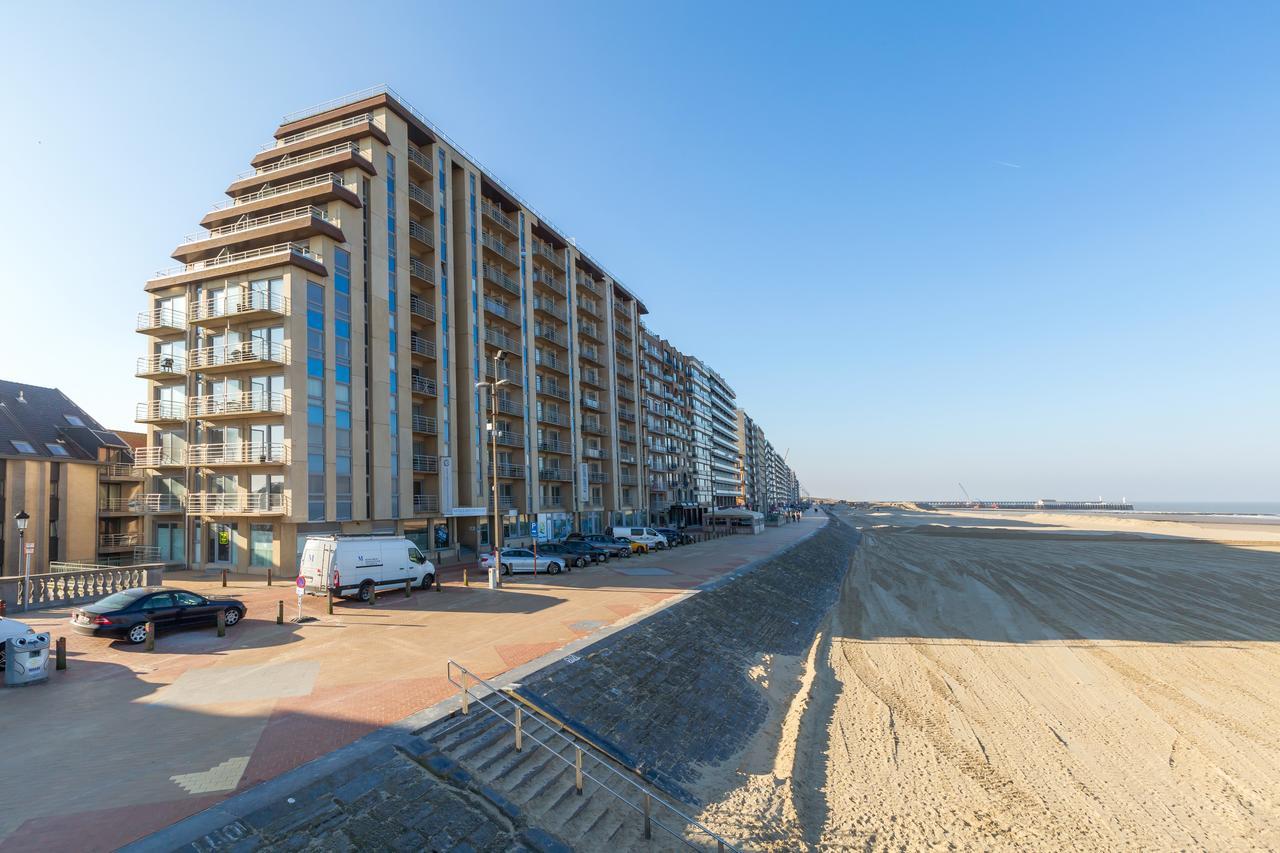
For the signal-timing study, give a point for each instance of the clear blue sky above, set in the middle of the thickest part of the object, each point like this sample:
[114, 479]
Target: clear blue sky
[1031, 247]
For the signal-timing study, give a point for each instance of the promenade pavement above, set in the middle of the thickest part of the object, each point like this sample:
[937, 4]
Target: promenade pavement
[125, 742]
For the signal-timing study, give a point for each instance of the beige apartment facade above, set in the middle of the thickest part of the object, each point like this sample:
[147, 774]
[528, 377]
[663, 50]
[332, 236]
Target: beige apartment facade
[346, 328]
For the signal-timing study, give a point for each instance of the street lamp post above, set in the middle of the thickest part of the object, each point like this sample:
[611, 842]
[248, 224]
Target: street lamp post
[21, 520]
[495, 537]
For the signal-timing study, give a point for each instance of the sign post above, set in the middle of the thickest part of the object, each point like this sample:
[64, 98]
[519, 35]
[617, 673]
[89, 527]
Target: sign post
[302, 588]
[533, 531]
[28, 548]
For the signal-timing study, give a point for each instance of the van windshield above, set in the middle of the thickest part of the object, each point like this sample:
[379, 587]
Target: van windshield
[416, 556]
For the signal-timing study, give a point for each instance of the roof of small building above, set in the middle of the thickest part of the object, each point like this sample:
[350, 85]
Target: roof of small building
[45, 417]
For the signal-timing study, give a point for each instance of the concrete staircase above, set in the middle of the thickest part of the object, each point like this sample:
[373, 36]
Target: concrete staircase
[537, 784]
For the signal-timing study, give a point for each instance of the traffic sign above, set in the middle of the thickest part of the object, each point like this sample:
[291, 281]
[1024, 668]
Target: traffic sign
[29, 548]
[302, 586]
[533, 529]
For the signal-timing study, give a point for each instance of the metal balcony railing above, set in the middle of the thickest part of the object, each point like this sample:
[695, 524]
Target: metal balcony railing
[245, 302]
[421, 233]
[161, 410]
[501, 340]
[420, 307]
[510, 438]
[506, 502]
[492, 211]
[309, 211]
[508, 469]
[510, 406]
[426, 503]
[506, 373]
[425, 424]
[422, 161]
[628, 480]
[589, 305]
[118, 540]
[551, 333]
[626, 393]
[489, 241]
[302, 159]
[543, 358]
[424, 464]
[158, 457]
[421, 196]
[623, 350]
[156, 503]
[421, 270]
[550, 306]
[237, 503]
[118, 471]
[250, 353]
[586, 327]
[548, 280]
[626, 414]
[625, 372]
[591, 401]
[548, 252]
[161, 365]
[302, 135]
[421, 346]
[230, 258]
[560, 474]
[595, 453]
[552, 416]
[592, 352]
[498, 309]
[282, 189]
[597, 477]
[423, 385]
[551, 389]
[245, 403]
[239, 453]
[589, 284]
[161, 320]
[592, 377]
[499, 277]
[595, 427]
[553, 445]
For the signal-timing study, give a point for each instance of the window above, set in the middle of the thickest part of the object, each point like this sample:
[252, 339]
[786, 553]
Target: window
[57, 449]
[22, 446]
[186, 599]
[158, 602]
[415, 556]
[261, 545]
[73, 420]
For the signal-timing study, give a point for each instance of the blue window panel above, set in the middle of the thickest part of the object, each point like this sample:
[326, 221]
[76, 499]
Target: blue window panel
[342, 419]
[315, 414]
[343, 373]
[315, 367]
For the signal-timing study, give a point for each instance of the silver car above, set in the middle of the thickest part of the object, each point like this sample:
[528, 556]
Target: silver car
[518, 560]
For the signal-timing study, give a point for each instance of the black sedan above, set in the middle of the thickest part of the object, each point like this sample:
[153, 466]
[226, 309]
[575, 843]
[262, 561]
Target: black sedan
[126, 613]
[595, 553]
[569, 556]
[612, 544]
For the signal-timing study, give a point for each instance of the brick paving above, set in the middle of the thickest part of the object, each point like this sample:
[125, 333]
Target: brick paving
[130, 742]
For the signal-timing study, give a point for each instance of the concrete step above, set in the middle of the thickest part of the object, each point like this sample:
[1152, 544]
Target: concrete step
[497, 761]
[450, 731]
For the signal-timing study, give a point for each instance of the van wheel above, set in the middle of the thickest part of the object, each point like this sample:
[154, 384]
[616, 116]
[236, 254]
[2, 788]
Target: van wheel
[366, 591]
[428, 580]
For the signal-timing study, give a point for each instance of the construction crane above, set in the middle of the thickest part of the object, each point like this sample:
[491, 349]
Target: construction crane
[966, 493]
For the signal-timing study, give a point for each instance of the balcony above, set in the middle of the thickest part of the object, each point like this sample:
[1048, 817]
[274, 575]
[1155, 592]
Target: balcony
[421, 346]
[420, 161]
[597, 477]
[626, 457]
[156, 503]
[560, 474]
[510, 438]
[510, 406]
[595, 453]
[297, 223]
[592, 286]
[234, 263]
[590, 401]
[506, 373]
[118, 541]
[551, 307]
[554, 445]
[624, 331]
[626, 393]
[424, 464]
[333, 158]
[426, 503]
[548, 415]
[161, 411]
[589, 305]
[323, 130]
[246, 305]
[215, 406]
[158, 457]
[246, 354]
[237, 503]
[492, 211]
[591, 352]
[161, 366]
[591, 376]
[626, 372]
[423, 385]
[628, 480]
[501, 340]
[425, 424]
[506, 502]
[238, 453]
[590, 329]
[421, 233]
[623, 350]
[549, 281]
[500, 248]
[161, 321]
[421, 308]
[420, 270]
[118, 471]
[499, 277]
[594, 426]
[550, 501]
[314, 190]
[543, 358]
[553, 389]
[498, 309]
[420, 196]
[551, 333]
[627, 414]
[508, 470]
[547, 251]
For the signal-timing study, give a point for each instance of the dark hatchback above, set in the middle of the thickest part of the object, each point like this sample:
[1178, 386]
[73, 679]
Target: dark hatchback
[126, 613]
[615, 546]
[568, 556]
[596, 553]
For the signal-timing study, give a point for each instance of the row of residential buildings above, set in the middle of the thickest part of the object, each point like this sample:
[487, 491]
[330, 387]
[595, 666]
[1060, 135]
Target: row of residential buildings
[322, 360]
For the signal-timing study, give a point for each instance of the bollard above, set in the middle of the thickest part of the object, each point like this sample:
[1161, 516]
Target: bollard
[466, 697]
[465, 581]
[60, 655]
[224, 577]
[268, 576]
[577, 768]
[373, 595]
[648, 807]
[151, 636]
[519, 729]
[330, 601]
[406, 589]
[437, 577]
[280, 612]
[222, 623]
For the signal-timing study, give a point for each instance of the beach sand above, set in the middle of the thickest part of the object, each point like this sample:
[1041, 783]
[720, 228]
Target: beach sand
[1025, 681]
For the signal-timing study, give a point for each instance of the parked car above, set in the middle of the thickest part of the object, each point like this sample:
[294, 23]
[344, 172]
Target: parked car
[558, 549]
[126, 613]
[674, 537]
[519, 560]
[644, 535]
[616, 547]
[358, 564]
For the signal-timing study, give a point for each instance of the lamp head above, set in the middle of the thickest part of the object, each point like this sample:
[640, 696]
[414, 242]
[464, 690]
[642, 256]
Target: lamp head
[21, 520]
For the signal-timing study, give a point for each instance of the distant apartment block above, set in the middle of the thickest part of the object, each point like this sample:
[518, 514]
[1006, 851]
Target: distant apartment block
[318, 362]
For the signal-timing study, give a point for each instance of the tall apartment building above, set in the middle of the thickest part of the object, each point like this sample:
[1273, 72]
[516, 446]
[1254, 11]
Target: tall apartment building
[73, 478]
[321, 360]
[753, 473]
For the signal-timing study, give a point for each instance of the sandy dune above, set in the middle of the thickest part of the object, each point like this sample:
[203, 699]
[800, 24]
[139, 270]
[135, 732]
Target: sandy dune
[1020, 689]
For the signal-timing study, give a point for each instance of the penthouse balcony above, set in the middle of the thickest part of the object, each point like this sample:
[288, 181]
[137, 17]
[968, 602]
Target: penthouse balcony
[553, 389]
[295, 224]
[545, 358]
[158, 457]
[549, 281]
[425, 464]
[421, 162]
[161, 412]
[501, 340]
[512, 376]
[350, 128]
[425, 424]
[421, 346]
[162, 321]
[244, 306]
[238, 453]
[230, 264]
[423, 385]
[331, 158]
[560, 474]
[161, 366]
[421, 270]
[498, 216]
[554, 445]
[591, 352]
[498, 309]
[550, 307]
[421, 233]
[595, 453]
[426, 503]
[254, 352]
[317, 189]
[498, 247]
[499, 277]
[548, 415]
[508, 470]
[421, 308]
[422, 198]
[220, 406]
[237, 503]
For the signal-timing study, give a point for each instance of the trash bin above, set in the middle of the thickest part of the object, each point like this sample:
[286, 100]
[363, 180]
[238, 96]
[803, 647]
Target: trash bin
[26, 659]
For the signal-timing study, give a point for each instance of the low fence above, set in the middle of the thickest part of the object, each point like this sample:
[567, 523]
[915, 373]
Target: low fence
[72, 584]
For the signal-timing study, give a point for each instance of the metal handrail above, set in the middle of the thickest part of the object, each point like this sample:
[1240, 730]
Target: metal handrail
[280, 189]
[341, 124]
[237, 257]
[306, 212]
[603, 759]
[309, 157]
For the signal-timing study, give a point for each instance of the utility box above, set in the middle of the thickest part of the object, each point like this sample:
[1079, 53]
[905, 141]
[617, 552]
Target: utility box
[26, 659]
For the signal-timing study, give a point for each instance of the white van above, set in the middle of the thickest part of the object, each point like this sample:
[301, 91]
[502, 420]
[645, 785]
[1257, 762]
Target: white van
[354, 565]
[646, 536]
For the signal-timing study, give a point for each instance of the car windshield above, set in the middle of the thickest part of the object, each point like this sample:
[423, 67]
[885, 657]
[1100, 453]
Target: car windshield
[121, 600]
